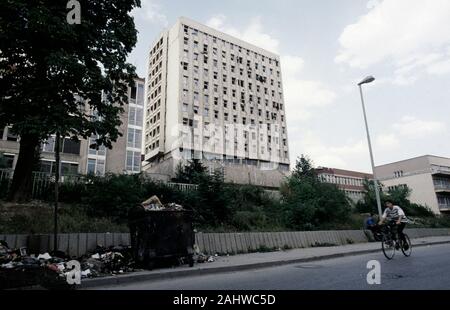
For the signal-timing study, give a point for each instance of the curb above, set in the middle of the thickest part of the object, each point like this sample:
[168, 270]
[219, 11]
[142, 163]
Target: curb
[145, 276]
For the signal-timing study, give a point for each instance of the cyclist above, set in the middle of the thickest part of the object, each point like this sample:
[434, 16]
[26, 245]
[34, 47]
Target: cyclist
[395, 214]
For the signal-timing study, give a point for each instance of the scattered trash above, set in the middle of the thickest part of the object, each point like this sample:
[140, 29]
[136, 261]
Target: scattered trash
[18, 269]
[45, 256]
[210, 259]
[152, 204]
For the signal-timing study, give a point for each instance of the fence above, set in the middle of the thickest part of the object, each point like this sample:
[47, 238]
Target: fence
[78, 244]
[41, 181]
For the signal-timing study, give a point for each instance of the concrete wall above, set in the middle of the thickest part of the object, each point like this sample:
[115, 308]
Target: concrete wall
[239, 174]
[422, 189]
[73, 244]
[209, 243]
[413, 165]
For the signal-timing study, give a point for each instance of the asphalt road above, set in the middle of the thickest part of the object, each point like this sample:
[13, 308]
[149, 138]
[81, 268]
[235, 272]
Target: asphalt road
[427, 268]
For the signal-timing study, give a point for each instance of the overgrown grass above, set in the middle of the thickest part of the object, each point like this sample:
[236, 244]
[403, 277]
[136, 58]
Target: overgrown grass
[37, 218]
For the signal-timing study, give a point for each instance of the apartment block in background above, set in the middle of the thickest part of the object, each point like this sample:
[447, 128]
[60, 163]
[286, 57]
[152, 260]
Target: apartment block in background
[213, 97]
[78, 158]
[427, 176]
[351, 182]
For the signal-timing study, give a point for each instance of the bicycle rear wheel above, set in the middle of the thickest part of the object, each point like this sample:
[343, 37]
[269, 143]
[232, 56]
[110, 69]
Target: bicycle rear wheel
[388, 247]
[407, 247]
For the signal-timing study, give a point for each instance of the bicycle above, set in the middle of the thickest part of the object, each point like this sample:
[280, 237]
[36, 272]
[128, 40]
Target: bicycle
[390, 241]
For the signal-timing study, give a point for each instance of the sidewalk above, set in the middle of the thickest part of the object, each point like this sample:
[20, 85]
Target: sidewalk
[253, 261]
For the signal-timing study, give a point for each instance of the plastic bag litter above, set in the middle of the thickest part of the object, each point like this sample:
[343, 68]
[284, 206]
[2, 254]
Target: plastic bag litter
[44, 256]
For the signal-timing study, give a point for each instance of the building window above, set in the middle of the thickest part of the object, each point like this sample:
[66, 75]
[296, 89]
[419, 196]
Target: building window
[135, 116]
[134, 138]
[71, 147]
[96, 167]
[48, 166]
[9, 161]
[133, 161]
[133, 93]
[93, 149]
[140, 95]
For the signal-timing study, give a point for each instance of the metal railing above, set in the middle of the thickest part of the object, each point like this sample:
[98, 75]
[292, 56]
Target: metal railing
[442, 186]
[42, 182]
[444, 207]
[440, 169]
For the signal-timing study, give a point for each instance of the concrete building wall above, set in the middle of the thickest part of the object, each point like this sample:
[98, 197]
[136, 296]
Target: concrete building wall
[105, 161]
[351, 182]
[238, 174]
[422, 189]
[172, 107]
[413, 165]
[222, 99]
[116, 157]
[427, 176]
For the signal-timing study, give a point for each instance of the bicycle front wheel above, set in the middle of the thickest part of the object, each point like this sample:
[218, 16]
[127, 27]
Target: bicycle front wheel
[406, 246]
[388, 247]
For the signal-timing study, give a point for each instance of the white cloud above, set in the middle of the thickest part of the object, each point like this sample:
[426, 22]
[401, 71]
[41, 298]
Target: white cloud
[387, 141]
[292, 65]
[412, 127]
[439, 68]
[150, 11]
[302, 96]
[408, 34]
[343, 156]
[372, 3]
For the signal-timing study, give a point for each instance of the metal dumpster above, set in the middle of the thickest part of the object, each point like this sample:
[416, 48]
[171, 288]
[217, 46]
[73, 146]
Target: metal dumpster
[161, 234]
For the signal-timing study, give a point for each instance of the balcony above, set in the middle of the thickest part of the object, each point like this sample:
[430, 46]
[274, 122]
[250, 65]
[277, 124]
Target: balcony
[444, 207]
[440, 170]
[445, 188]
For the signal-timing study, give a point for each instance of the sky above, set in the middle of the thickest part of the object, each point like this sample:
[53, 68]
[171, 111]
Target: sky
[326, 48]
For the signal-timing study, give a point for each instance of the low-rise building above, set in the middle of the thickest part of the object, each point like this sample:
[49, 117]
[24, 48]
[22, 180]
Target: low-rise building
[78, 158]
[427, 176]
[351, 182]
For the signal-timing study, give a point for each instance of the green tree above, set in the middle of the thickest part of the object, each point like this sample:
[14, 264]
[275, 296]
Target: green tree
[191, 173]
[54, 73]
[309, 203]
[399, 195]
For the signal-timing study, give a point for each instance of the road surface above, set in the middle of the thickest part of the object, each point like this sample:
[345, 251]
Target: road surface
[427, 268]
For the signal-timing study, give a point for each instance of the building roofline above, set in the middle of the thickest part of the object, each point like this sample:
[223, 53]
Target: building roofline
[338, 171]
[412, 158]
[231, 38]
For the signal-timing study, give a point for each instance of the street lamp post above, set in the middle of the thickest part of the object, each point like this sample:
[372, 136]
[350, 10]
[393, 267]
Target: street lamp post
[368, 80]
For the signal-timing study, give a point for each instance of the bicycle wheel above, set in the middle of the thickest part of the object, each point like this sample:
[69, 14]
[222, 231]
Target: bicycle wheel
[407, 247]
[388, 247]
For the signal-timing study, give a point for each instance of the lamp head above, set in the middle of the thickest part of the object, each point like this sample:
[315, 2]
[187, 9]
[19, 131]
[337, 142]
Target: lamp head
[367, 80]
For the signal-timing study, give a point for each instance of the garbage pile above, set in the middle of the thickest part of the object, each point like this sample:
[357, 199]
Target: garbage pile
[154, 204]
[201, 258]
[18, 269]
[107, 261]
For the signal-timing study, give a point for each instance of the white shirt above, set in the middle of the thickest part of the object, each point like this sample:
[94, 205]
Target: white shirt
[394, 214]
